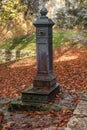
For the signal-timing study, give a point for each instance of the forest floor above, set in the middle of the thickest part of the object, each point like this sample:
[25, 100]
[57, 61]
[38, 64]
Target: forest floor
[70, 69]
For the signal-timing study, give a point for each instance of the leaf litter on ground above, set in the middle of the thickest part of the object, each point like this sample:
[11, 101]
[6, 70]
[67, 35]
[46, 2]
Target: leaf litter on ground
[70, 68]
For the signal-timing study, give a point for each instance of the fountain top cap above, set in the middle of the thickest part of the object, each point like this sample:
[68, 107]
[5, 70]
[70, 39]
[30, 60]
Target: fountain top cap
[43, 11]
[43, 20]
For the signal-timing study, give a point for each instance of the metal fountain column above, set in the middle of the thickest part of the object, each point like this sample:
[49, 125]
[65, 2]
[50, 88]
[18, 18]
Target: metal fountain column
[44, 86]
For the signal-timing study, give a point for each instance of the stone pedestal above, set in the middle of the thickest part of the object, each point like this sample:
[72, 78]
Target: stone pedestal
[37, 95]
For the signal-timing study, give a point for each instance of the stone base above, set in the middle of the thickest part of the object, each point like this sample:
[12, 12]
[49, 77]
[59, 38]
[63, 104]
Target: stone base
[39, 95]
[18, 105]
[34, 99]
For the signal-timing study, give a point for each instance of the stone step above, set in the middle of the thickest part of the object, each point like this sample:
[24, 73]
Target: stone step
[79, 119]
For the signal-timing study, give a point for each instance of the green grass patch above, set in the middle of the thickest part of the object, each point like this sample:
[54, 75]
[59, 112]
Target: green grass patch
[85, 35]
[59, 39]
[24, 42]
[28, 42]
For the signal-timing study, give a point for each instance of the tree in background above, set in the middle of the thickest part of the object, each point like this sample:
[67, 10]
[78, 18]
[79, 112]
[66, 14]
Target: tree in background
[9, 10]
[15, 17]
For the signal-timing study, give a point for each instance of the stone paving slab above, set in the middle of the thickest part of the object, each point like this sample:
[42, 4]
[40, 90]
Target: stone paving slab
[81, 109]
[79, 119]
[83, 96]
[63, 128]
[76, 123]
[5, 101]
